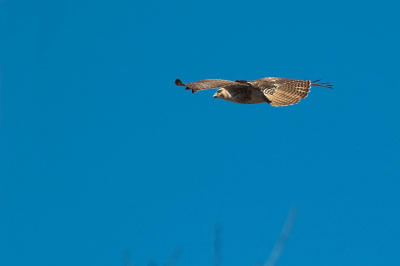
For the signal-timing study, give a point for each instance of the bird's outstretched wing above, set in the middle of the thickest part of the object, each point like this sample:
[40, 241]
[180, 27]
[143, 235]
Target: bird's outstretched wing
[207, 84]
[282, 91]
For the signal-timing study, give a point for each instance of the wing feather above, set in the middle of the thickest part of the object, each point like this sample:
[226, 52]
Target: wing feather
[207, 84]
[282, 91]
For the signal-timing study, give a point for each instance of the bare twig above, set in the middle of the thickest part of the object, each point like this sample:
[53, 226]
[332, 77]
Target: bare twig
[217, 245]
[176, 254]
[127, 258]
[277, 250]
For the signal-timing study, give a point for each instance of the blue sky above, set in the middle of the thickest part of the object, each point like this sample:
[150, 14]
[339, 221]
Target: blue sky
[100, 153]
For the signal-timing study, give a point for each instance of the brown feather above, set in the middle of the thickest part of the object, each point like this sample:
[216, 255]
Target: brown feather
[282, 91]
[275, 91]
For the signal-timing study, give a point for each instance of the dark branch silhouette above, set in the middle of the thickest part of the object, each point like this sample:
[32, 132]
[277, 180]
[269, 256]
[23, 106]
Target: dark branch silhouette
[217, 256]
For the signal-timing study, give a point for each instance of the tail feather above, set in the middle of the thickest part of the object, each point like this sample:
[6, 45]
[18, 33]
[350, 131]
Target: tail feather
[321, 84]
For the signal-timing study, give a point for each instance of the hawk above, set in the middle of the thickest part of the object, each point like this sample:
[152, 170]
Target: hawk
[275, 91]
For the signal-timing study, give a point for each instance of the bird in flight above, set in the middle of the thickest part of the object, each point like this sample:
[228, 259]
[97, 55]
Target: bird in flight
[275, 91]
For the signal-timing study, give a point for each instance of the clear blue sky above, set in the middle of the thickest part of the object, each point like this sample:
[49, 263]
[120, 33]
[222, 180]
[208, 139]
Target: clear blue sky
[101, 153]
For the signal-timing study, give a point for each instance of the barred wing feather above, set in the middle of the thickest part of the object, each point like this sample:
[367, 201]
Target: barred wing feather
[282, 91]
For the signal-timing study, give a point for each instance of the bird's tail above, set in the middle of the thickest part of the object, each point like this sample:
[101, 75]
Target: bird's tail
[321, 84]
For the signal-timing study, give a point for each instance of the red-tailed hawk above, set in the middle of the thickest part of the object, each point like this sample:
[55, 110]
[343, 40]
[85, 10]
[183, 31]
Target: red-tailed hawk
[275, 91]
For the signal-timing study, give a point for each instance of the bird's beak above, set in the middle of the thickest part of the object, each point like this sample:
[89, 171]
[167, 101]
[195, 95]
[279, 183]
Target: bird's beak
[215, 96]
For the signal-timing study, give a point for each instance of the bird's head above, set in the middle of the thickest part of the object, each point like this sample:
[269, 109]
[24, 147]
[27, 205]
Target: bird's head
[222, 94]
